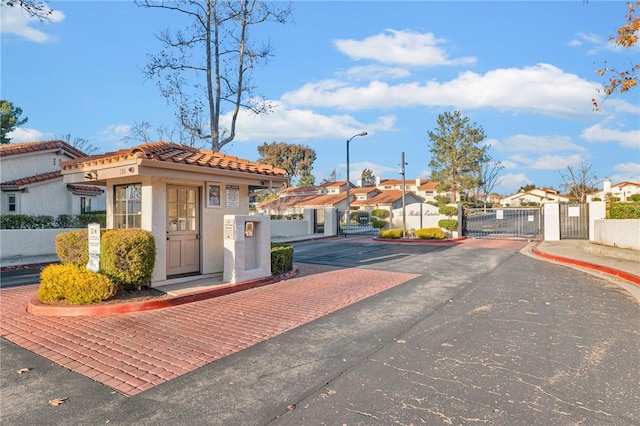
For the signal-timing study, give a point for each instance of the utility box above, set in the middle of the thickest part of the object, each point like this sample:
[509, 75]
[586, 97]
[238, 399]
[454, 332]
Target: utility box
[247, 247]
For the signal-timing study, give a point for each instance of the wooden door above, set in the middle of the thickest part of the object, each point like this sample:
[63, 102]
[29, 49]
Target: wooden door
[183, 234]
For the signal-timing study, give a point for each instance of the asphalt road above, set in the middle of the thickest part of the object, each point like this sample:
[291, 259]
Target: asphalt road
[19, 277]
[482, 336]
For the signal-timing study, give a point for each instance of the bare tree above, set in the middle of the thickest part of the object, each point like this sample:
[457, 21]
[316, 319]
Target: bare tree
[489, 177]
[80, 143]
[217, 49]
[33, 8]
[579, 181]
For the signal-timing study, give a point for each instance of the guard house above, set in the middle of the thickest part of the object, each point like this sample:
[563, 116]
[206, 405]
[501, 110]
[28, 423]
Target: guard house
[186, 197]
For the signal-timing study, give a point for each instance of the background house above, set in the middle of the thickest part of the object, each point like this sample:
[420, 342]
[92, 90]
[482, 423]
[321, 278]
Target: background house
[538, 196]
[622, 191]
[31, 181]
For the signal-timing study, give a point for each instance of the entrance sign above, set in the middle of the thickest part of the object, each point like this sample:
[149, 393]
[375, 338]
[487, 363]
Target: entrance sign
[94, 247]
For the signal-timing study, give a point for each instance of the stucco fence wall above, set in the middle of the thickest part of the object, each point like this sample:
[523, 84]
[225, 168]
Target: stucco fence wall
[17, 243]
[623, 233]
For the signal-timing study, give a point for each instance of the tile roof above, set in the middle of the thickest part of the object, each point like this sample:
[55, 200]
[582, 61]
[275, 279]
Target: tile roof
[32, 179]
[327, 200]
[27, 147]
[167, 152]
[385, 197]
[84, 189]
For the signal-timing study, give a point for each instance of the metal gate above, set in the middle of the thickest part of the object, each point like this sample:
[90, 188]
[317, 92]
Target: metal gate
[574, 221]
[353, 228]
[506, 223]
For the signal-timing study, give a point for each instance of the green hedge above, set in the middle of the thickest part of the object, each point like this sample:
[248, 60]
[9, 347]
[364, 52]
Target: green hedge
[448, 210]
[63, 221]
[623, 211]
[448, 224]
[128, 256]
[380, 213]
[281, 258]
[378, 224]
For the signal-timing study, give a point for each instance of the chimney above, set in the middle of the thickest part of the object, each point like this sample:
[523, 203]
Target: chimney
[359, 182]
[606, 185]
[377, 180]
[418, 183]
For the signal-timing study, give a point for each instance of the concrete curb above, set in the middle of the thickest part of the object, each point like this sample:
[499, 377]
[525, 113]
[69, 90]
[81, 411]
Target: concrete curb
[35, 307]
[635, 279]
[418, 240]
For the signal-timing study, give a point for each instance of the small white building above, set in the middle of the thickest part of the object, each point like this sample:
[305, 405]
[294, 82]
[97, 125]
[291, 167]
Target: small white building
[621, 191]
[183, 196]
[539, 196]
[31, 181]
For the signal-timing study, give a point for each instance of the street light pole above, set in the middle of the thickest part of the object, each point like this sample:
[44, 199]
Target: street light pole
[348, 184]
[404, 215]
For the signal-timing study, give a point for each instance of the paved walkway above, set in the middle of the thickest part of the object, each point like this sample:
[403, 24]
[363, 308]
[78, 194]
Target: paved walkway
[137, 351]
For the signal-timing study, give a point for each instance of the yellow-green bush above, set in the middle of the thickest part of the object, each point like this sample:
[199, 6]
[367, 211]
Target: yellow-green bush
[623, 211]
[74, 284]
[430, 234]
[281, 258]
[128, 256]
[391, 233]
[73, 247]
[448, 224]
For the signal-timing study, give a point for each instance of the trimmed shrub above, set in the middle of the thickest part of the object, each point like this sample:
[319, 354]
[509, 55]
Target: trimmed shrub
[430, 234]
[448, 210]
[378, 224]
[380, 213]
[73, 247]
[28, 221]
[391, 233]
[623, 211]
[128, 256]
[634, 197]
[448, 224]
[74, 284]
[281, 258]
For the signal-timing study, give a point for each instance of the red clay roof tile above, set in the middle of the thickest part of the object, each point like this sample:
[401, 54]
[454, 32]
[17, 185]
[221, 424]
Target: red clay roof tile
[26, 147]
[175, 153]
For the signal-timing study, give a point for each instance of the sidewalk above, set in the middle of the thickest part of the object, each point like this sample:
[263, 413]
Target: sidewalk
[618, 263]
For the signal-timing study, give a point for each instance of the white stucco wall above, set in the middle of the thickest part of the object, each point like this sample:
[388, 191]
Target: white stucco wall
[623, 233]
[28, 242]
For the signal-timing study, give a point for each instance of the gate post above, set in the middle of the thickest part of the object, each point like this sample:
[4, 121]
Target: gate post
[551, 221]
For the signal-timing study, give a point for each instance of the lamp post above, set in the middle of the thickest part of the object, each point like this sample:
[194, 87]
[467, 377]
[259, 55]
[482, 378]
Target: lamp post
[348, 184]
[404, 215]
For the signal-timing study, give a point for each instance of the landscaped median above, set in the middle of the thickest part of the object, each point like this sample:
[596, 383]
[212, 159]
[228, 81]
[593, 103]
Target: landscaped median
[36, 307]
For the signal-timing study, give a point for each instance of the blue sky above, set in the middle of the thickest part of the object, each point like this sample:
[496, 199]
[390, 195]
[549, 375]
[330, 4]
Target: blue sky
[524, 71]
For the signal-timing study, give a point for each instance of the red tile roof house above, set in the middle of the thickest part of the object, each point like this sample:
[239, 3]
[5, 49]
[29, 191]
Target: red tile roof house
[622, 191]
[31, 181]
[182, 195]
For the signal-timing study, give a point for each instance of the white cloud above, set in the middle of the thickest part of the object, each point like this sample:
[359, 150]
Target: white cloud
[546, 161]
[293, 124]
[407, 48]
[114, 132]
[511, 182]
[599, 133]
[15, 21]
[626, 172]
[24, 134]
[541, 89]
